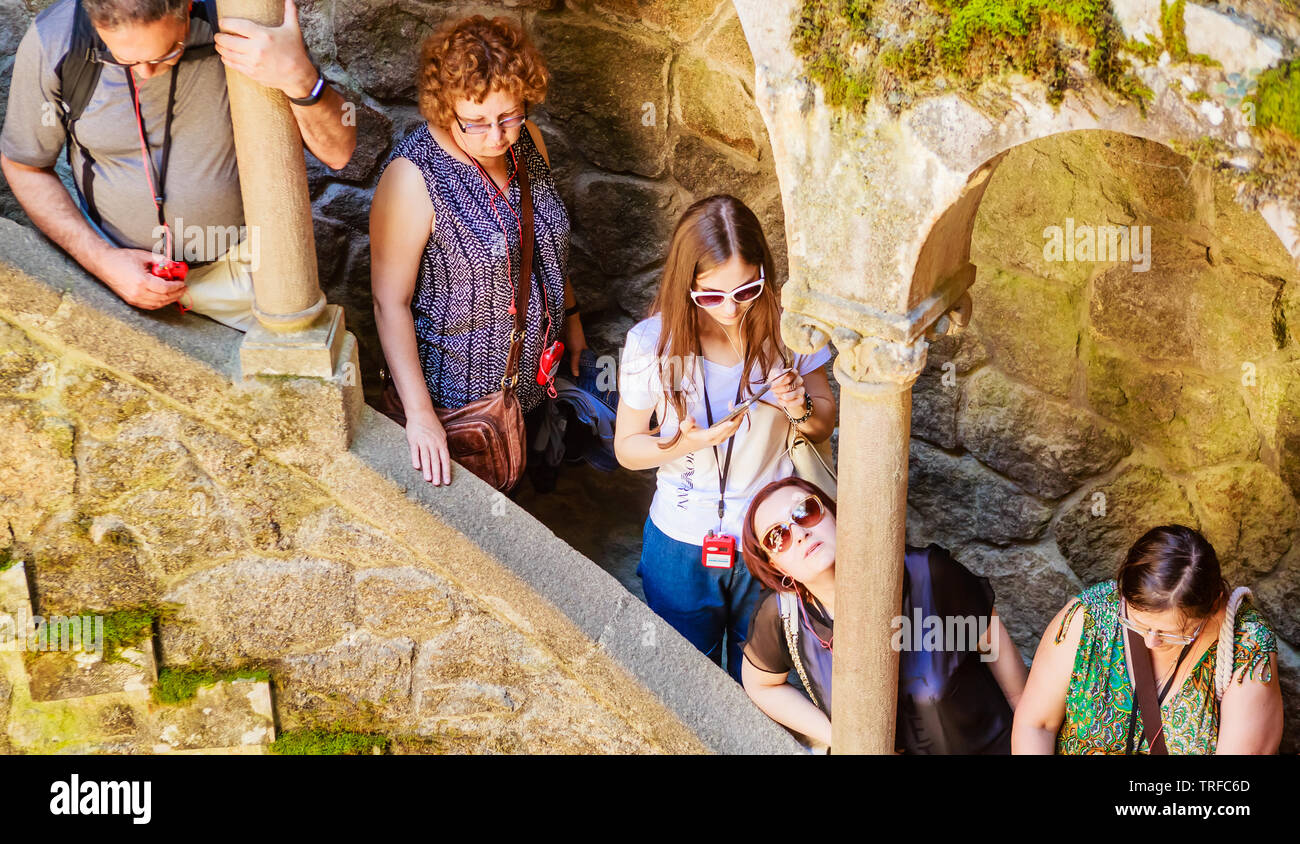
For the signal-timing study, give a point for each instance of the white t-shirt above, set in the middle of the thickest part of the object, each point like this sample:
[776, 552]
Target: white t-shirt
[685, 505]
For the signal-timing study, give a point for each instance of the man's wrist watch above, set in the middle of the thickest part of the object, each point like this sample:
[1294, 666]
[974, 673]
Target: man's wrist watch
[808, 411]
[316, 91]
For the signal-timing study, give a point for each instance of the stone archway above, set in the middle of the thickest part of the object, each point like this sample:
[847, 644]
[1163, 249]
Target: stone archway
[880, 198]
[1089, 400]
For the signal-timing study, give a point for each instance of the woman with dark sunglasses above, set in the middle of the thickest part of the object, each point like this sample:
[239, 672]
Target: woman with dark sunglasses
[712, 340]
[1211, 662]
[959, 674]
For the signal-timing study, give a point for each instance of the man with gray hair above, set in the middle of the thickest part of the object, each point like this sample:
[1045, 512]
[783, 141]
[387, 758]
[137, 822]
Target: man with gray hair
[137, 91]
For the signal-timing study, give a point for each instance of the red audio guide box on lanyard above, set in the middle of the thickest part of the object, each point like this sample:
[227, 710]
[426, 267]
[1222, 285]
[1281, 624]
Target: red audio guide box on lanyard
[170, 270]
[548, 366]
[719, 551]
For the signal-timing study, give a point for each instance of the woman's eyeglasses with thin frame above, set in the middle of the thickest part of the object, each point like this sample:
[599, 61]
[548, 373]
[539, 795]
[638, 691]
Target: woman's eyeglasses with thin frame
[806, 513]
[103, 56]
[743, 294]
[483, 128]
[1160, 636]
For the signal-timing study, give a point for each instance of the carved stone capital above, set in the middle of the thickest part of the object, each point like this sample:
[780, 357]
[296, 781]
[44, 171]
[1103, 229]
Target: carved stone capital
[954, 321]
[802, 333]
[873, 367]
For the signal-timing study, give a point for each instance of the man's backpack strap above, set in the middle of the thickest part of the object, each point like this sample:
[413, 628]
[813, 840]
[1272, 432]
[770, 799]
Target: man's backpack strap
[78, 71]
[206, 9]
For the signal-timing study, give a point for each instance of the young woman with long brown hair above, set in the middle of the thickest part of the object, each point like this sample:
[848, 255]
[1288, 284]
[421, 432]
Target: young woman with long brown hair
[712, 339]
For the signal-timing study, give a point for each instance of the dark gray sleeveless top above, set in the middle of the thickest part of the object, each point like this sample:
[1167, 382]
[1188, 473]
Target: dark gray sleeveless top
[462, 292]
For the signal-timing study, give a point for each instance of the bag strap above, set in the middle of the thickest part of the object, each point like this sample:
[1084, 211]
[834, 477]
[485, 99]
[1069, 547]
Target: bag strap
[1225, 656]
[1144, 693]
[786, 602]
[78, 71]
[525, 276]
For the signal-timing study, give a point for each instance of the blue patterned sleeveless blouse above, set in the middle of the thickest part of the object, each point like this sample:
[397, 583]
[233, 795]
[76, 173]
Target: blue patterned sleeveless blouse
[462, 292]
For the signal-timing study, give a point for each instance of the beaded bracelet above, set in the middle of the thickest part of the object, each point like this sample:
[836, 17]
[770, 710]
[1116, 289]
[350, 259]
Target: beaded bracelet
[808, 408]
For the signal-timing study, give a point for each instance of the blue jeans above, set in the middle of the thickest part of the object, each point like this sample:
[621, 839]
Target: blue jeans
[705, 605]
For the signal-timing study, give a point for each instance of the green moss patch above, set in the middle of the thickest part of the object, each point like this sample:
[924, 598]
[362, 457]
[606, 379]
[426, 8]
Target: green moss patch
[318, 741]
[1277, 98]
[1275, 102]
[7, 559]
[179, 685]
[125, 629]
[1173, 29]
[851, 47]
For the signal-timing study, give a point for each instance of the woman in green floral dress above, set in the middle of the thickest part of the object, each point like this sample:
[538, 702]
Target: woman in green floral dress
[1079, 697]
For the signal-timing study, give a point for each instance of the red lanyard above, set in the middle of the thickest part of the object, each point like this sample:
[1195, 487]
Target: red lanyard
[493, 191]
[156, 186]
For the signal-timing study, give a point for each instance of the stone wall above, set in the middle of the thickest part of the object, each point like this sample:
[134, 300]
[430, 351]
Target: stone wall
[117, 501]
[1088, 402]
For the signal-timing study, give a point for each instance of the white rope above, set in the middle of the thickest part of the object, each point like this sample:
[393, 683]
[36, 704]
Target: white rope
[1223, 659]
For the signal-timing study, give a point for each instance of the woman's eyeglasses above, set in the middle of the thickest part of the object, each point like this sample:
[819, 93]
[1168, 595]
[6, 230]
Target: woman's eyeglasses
[483, 128]
[1155, 638]
[103, 56]
[742, 294]
[806, 513]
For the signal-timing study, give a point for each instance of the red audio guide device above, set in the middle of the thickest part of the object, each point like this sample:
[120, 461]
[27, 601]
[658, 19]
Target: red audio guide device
[719, 551]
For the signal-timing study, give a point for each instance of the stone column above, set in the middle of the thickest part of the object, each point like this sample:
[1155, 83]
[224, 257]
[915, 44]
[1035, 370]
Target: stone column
[298, 334]
[875, 378]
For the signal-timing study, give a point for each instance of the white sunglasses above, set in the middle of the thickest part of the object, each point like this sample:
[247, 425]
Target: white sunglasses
[741, 295]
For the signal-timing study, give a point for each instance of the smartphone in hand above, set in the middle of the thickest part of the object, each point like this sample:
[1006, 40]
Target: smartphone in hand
[740, 409]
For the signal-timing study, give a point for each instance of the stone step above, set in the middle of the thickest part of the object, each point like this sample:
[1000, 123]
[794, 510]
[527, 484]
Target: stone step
[58, 675]
[237, 713]
[15, 608]
[64, 655]
[227, 715]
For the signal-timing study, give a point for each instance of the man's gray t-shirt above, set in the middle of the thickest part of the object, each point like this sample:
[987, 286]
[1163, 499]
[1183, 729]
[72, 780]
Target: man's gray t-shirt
[203, 204]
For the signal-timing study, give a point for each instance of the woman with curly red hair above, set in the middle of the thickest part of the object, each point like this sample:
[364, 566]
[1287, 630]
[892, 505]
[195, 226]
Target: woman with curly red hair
[446, 236]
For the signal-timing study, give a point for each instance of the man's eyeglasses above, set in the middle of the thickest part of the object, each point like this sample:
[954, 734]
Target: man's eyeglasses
[483, 128]
[806, 513]
[1155, 638]
[103, 56]
[741, 295]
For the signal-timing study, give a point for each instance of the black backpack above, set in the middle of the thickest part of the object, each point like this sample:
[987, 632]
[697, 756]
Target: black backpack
[78, 73]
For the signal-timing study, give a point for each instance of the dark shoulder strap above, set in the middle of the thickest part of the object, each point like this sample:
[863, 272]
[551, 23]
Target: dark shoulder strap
[1144, 694]
[207, 10]
[78, 72]
[525, 273]
[78, 75]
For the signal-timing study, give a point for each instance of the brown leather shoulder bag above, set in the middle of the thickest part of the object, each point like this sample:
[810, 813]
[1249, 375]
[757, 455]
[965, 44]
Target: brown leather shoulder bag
[487, 436]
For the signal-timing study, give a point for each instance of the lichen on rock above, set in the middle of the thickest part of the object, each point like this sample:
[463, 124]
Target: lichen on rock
[856, 49]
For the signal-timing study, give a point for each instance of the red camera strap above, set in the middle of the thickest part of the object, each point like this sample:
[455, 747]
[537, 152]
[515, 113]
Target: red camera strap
[156, 176]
